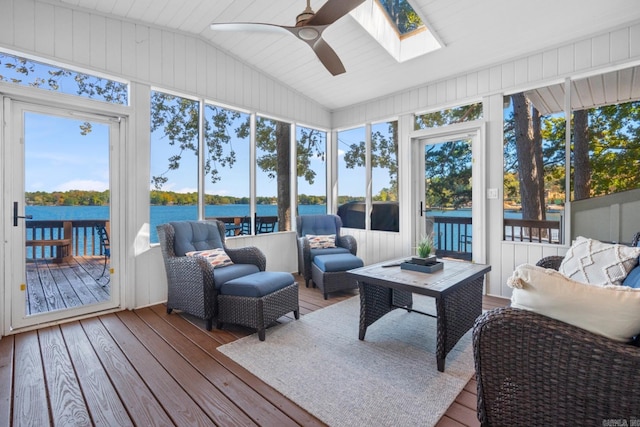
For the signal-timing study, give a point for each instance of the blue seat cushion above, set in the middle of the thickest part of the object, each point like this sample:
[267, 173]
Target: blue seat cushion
[230, 272]
[337, 262]
[327, 251]
[258, 284]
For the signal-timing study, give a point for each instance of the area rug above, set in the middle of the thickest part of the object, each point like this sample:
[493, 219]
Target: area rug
[389, 379]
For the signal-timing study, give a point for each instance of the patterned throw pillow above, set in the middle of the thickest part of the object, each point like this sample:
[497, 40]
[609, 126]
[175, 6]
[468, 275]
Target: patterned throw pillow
[321, 242]
[597, 263]
[216, 257]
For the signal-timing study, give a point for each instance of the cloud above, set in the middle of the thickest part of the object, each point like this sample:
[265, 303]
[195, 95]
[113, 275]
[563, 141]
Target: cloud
[80, 184]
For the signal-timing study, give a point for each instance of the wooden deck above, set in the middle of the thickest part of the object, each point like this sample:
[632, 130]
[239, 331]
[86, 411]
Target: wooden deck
[145, 367]
[54, 285]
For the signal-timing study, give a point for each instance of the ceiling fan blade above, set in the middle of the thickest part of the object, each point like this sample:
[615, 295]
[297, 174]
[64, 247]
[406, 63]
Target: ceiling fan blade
[328, 57]
[254, 27]
[333, 10]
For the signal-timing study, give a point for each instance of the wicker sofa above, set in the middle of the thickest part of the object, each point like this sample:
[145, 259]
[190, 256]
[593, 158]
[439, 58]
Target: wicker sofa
[533, 370]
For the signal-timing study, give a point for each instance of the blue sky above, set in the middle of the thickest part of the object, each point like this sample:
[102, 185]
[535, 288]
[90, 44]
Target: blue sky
[59, 158]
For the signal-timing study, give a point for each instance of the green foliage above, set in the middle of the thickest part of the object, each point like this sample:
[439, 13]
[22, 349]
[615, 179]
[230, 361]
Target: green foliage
[68, 198]
[448, 174]
[449, 116]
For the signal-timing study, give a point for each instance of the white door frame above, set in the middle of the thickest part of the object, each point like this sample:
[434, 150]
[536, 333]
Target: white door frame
[474, 130]
[13, 258]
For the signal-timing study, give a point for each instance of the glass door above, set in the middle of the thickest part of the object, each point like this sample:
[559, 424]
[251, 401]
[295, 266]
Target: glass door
[451, 206]
[63, 262]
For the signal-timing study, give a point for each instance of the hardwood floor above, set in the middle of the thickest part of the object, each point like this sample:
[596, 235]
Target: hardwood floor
[145, 367]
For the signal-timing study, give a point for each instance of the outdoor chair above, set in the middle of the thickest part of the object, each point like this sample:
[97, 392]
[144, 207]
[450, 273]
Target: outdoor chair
[193, 281]
[532, 369]
[320, 235]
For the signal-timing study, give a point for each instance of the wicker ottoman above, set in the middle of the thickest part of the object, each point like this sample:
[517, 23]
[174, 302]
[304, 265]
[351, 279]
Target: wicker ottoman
[329, 272]
[257, 300]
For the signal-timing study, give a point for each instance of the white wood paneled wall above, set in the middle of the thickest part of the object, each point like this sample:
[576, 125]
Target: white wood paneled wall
[146, 54]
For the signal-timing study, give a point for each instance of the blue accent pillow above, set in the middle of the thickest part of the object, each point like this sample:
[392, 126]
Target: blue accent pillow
[633, 278]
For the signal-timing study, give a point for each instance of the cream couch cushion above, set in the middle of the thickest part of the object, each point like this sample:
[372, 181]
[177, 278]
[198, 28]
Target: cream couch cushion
[612, 311]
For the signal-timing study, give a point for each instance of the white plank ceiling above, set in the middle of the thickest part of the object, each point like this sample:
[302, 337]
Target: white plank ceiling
[475, 34]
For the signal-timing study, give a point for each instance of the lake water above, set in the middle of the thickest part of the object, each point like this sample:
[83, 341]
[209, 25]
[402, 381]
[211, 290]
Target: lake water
[161, 214]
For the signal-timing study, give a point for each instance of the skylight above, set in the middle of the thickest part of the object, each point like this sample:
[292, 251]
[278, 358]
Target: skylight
[402, 15]
[398, 28]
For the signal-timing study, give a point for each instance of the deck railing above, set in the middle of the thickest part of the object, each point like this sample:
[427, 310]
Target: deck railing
[452, 234]
[60, 239]
[532, 230]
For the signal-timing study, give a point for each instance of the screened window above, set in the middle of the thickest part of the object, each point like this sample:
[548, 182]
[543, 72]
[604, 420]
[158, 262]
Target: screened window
[174, 159]
[384, 176]
[273, 192]
[312, 171]
[226, 168]
[352, 177]
[25, 72]
[606, 135]
[465, 113]
[534, 167]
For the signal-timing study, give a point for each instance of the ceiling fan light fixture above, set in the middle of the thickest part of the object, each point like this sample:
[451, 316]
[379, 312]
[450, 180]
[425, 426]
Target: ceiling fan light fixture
[308, 34]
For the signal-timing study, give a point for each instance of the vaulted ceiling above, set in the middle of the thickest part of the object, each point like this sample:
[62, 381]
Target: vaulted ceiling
[475, 34]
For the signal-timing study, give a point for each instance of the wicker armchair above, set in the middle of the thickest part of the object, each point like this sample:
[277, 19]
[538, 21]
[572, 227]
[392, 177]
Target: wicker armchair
[320, 225]
[192, 282]
[533, 370]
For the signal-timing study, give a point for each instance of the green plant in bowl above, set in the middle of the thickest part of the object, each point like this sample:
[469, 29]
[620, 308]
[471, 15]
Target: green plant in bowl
[425, 246]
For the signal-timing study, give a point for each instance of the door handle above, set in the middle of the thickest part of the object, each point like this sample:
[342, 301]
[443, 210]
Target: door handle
[421, 210]
[16, 216]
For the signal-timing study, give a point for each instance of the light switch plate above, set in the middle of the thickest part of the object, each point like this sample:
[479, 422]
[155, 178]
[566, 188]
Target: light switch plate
[492, 193]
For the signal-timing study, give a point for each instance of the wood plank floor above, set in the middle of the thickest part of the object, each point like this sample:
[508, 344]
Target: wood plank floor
[51, 286]
[145, 367]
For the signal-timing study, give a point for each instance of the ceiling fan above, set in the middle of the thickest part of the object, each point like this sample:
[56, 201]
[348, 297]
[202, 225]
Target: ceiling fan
[309, 27]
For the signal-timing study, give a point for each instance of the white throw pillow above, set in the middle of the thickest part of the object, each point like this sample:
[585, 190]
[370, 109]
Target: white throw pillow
[217, 257]
[598, 263]
[611, 311]
[321, 241]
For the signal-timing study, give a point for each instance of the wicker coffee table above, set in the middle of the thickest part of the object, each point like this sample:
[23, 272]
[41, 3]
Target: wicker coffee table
[457, 289]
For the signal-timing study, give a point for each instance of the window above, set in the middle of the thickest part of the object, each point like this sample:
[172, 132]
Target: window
[384, 176]
[226, 167]
[174, 159]
[465, 113]
[273, 192]
[312, 171]
[534, 165]
[352, 177]
[26, 72]
[402, 15]
[606, 135]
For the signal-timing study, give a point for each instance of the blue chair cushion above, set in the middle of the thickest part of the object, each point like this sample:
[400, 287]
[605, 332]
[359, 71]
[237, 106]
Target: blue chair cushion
[258, 284]
[195, 236]
[231, 272]
[318, 225]
[337, 262]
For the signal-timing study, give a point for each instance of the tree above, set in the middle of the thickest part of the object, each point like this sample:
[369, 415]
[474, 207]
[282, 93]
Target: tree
[581, 162]
[402, 14]
[529, 153]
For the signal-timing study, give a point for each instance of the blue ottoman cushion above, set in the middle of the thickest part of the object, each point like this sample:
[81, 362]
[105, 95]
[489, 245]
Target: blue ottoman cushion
[257, 284]
[231, 272]
[337, 262]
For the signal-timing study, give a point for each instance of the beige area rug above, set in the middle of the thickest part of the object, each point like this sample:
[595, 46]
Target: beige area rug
[389, 379]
